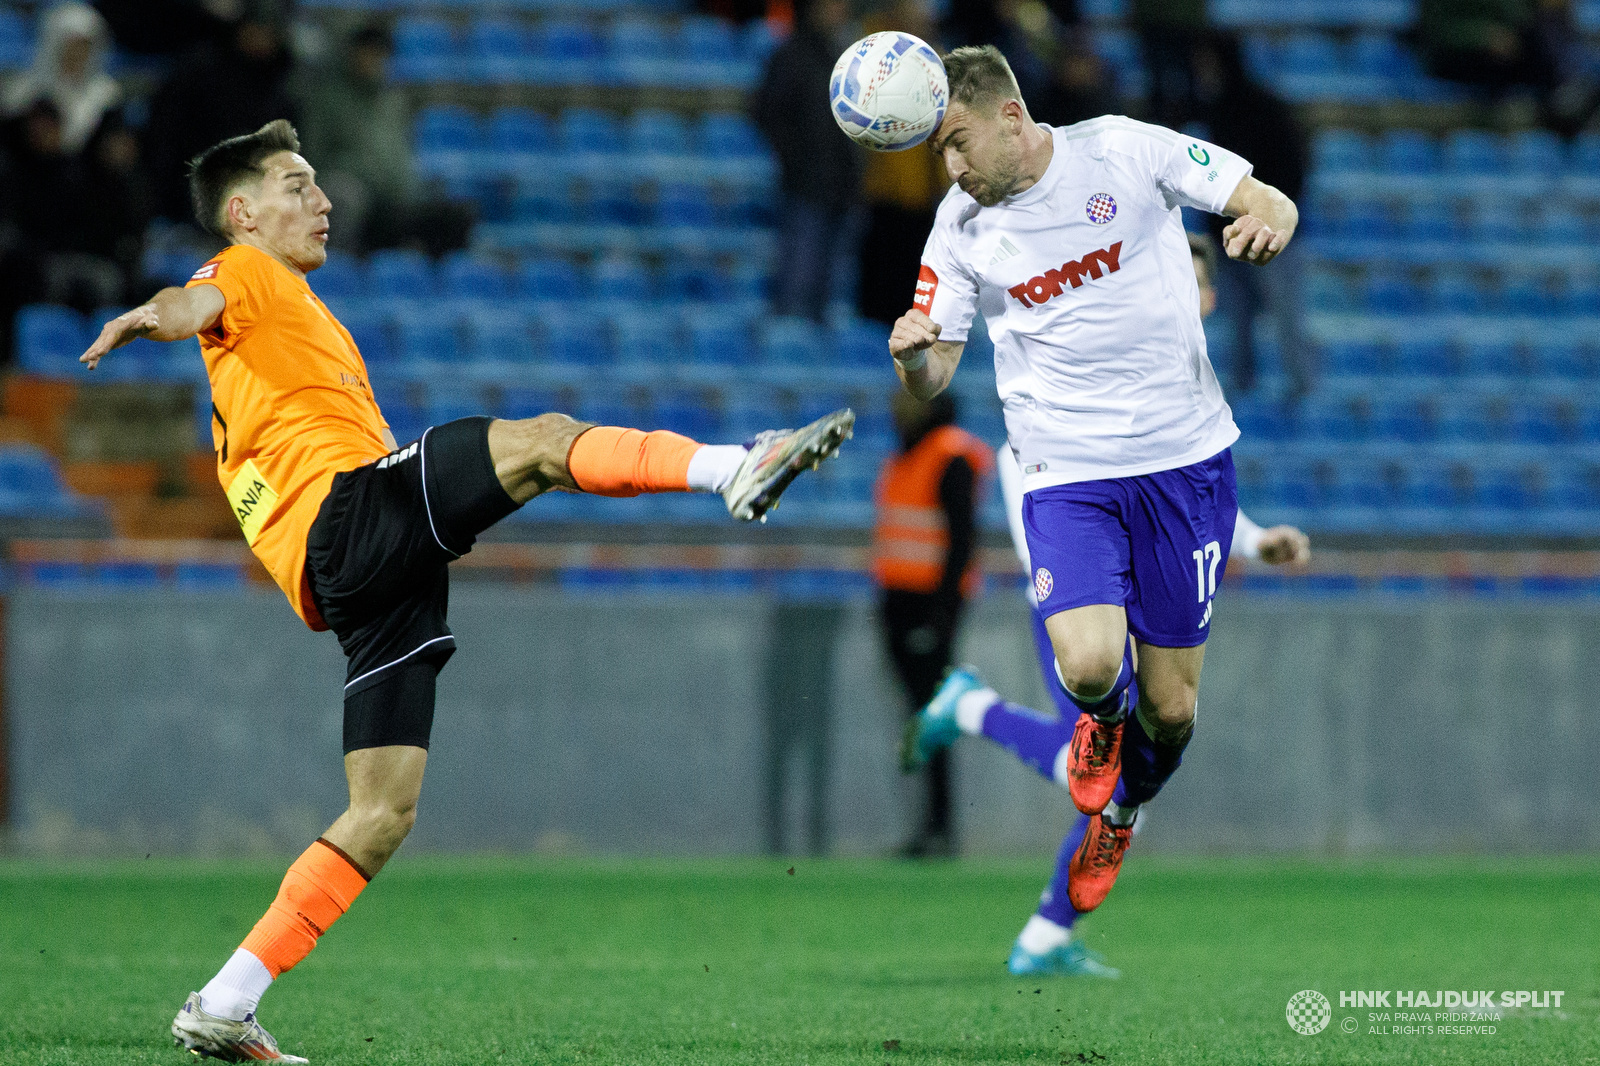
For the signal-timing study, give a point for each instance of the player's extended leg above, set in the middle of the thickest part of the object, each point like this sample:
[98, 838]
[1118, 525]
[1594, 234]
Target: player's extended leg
[1046, 945]
[554, 451]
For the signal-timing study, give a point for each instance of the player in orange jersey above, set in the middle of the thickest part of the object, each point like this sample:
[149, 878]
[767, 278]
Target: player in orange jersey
[358, 531]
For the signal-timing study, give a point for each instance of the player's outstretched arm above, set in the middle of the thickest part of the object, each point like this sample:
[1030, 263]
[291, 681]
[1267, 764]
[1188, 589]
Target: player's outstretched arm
[924, 362]
[170, 315]
[1264, 222]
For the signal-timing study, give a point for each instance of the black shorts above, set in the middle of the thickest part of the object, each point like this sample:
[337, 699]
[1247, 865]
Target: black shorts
[377, 558]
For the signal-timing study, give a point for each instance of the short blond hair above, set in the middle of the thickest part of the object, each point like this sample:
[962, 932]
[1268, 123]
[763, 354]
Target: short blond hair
[980, 76]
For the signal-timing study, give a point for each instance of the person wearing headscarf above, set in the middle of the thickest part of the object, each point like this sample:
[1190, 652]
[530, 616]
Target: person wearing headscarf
[68, 71]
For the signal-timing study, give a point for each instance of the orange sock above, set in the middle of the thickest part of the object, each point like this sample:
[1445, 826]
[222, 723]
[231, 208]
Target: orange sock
[611, 461]
[318, 888]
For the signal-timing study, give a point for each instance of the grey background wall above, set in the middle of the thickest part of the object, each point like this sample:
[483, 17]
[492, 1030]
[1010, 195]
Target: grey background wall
[210, 724]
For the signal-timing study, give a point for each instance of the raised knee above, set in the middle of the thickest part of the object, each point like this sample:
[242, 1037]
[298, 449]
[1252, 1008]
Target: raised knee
[1089, 675]
[1170, 708]
[390, 822]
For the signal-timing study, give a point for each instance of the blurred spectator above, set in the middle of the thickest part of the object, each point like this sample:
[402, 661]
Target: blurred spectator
[1503, 45]
[57, 242]
[169, 27]
[1246, 118]
[902, 190]
[1167, 31]
[69, 71]
[979, 22]
[1080, 86]
[820, 168]
[924, 548]
[356, 130]
[219, 91]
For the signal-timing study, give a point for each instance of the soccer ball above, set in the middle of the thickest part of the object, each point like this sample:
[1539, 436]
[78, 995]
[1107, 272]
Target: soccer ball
[888, 91]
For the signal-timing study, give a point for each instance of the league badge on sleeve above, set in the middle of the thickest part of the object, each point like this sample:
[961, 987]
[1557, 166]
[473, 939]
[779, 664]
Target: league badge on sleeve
[1101, 208]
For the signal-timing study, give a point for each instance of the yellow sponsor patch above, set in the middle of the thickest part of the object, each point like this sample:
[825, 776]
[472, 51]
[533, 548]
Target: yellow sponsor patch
[252, 499]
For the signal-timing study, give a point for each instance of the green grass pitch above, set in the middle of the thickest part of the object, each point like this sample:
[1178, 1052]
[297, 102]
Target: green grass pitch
[506, 960]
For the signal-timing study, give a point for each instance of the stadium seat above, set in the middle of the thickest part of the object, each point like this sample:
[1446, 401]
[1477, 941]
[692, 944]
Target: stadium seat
[1338, 151]
[719, 336]
[1583, 157]
[425, 335]
[651, 130]
[1423, 356]
[540, 198]
[567, 39]
[640, 39]
[519, 129]
[402, 274]
[1457, 293]
[646, 336]
[1380, 55]
[793, 342]
[689, 278]
[464, 276]
[570, 338]
[708, 40]
[501, 334]
[446, 127]
[126, 575]
[1329, 290]
[424, 50]
[1408, 152]
[1526, 294]
[342, 277]
[1474, 152]
[588, 130]
[690, 412]
[497, 38]
[1391, 292]
[1492, 357]
[1534, 152]
[49, 340]
[1559, 223]
[16, 40]
[726, 135]
[549, 279]
[1335, 418]
[685, 205]
[31, 484]
[863, 343]
[1351, 358]
[402, 409]
[1399, 416]
[192, 576]
[373, 335]
[1310, 53]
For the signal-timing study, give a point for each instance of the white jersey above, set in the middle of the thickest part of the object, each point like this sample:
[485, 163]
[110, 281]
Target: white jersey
[1089, 292]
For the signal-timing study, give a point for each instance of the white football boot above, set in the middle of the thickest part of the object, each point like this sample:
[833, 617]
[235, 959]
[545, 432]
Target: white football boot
[212, 1037]
[777, 456]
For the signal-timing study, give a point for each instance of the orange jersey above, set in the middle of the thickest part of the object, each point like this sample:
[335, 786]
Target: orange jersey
[291, 407]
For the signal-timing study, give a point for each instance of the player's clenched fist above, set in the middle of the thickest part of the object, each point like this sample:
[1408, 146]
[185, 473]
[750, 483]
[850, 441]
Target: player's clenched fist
[1250, 239]
[1284, 544]
[913, 332]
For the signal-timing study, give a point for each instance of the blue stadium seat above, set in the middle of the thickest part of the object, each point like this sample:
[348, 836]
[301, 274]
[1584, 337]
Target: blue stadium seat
[1456, 293]
[501, 334]
[447, 127]
[524, 402]
[16, 40]
[863, 343]
[1467, 418]
[497, 38]
[1434, 219]
[1335, 418]
[538, 198]
[689, 278]
[1423, 356]
[49, 340]
[568, 39]
[1260, 418]
[1579, 295]
[1492, 357]
[194, 576]
[1534, 152]
[721, 337]
[1339, 151]
[342, 277]
[1559, 358]
[1262, 58]
[424, 335]
[1329, 290]
[1380, 55]
[708, 40]
[569, 338]
[425, 50]
[1351, 358]
[685, 205]
[590, 130]
[623, 279]
[400, 273]
[690, 412]
[464, 276]
[1560, 223]
[760, 39]
[794, 342]
[615, 200]
[1408, 152]
[1311, 53]
[636, 39]
[550, 279]
[729, 136]
[1543, 420]
[1583, 158]
[1526, 294]
[1405, 417]
[651, 130]
[648, 336]
[30, 482]
[373, 336]
[127, 575]
[62, 576]
[1392, 293]
[1474, 152]
[519, 129]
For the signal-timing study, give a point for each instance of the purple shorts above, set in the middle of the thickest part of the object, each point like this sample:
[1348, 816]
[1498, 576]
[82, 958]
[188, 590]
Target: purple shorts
[1156, 545]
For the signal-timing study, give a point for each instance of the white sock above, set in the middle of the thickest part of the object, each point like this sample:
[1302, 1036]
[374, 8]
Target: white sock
[237, 988]
[1121, 816]
[711, 469]
[971, 708]
[1041, 935]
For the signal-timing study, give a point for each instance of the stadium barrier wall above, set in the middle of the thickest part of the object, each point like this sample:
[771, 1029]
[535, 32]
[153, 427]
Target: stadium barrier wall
[680, 724]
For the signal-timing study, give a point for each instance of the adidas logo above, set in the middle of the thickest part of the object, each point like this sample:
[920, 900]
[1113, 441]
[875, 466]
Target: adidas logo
[1005, 251]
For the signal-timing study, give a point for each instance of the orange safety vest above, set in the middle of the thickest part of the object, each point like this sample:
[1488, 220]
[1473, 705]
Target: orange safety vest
[911, 536]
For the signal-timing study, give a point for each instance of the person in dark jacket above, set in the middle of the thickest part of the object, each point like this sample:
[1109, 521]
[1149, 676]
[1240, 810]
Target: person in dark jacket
[924, 556]
[1246, 118]
[819, 167]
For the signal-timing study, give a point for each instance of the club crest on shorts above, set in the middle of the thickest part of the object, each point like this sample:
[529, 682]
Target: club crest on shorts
[1043, 583]
[1101, 208]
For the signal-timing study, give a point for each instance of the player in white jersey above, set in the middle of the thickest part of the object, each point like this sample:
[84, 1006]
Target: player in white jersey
[1070, 242]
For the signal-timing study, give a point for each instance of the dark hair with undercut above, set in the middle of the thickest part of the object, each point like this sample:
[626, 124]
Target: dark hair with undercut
[214, 172]
[979, 75]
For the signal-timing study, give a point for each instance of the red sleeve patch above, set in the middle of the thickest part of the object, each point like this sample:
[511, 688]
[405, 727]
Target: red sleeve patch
[207, 272]
[927, 285]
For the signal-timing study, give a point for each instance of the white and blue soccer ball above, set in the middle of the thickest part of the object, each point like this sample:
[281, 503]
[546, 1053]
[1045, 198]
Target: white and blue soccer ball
[888, 91]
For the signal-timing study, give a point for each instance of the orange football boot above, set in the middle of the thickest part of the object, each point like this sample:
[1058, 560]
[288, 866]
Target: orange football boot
[1096, 863]
[1094, 762]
